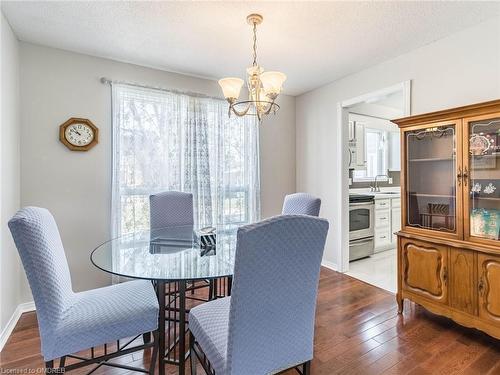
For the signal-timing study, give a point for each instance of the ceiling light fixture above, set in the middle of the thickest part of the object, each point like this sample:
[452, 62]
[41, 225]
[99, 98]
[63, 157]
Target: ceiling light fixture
[263, 87]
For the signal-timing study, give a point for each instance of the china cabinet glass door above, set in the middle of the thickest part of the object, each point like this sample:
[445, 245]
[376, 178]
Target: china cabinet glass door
[431, 182]
[482, 179]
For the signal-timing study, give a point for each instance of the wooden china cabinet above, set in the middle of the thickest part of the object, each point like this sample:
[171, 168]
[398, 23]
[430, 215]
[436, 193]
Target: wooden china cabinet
[449, 244]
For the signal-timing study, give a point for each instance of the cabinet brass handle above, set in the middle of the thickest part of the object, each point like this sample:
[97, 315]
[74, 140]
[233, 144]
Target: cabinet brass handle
[459, 176]
[480, 286]
[466, 176]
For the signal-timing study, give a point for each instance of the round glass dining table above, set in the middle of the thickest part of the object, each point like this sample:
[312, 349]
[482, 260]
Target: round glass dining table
[173, 258]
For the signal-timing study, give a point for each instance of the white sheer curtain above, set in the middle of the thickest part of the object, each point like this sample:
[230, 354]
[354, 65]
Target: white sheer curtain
[169, 141]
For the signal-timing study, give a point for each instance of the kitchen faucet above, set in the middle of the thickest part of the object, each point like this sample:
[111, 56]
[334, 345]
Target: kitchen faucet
[376, 188]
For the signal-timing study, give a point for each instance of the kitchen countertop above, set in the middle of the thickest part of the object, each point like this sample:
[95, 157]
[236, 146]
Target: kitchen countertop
[385, 193]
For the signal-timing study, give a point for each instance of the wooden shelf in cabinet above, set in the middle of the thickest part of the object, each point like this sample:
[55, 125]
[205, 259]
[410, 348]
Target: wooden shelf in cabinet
[432, 195]
[418, 160]
[487, 198]
[493, 156]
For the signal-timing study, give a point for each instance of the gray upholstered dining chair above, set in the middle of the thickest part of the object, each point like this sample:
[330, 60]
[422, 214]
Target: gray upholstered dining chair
[70, 322]
[301, 204]
[173, 209]
[261, 329]
[170, 208]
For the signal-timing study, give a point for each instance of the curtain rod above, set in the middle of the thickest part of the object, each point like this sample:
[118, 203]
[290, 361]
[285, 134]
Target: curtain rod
[108, 81]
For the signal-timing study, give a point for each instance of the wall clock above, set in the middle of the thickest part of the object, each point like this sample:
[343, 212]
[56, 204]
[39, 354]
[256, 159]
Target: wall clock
[78, 134]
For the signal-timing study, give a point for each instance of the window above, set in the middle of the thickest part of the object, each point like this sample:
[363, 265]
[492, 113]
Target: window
[376, 154]
[170, 141]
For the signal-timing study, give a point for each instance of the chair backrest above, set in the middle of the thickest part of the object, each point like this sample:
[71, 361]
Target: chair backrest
[273, 299]
[301, 204]
[170, 208]
[41, 250]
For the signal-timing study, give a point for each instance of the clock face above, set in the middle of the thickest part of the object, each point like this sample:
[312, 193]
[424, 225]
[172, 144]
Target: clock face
[79, 134]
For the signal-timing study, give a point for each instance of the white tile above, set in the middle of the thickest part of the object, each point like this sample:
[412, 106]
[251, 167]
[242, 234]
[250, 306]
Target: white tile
[380, 270]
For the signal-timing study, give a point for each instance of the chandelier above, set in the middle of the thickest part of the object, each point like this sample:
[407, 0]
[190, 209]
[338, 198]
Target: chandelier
[263, 87]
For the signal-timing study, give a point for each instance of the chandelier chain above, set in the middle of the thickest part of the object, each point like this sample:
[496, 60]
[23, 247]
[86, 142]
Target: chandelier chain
[254, 44]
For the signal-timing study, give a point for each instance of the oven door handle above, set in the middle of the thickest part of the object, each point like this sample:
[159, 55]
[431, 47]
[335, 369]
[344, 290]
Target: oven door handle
[360, 241]
[362, 204]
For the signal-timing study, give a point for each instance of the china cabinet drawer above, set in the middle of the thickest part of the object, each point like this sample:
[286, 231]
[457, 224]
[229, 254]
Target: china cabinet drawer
[382, 218]
[382, 203]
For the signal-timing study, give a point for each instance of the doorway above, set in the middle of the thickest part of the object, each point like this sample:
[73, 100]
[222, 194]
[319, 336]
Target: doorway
[368, 160]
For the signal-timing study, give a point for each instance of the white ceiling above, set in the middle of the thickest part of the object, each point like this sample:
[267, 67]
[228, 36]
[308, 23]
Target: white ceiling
[312, 42]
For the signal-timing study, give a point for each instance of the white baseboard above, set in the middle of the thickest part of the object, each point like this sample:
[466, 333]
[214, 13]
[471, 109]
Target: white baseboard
[11, 324]
[330, 265]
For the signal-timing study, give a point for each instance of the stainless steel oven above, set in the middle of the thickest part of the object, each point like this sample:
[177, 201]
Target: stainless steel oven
[361, 226]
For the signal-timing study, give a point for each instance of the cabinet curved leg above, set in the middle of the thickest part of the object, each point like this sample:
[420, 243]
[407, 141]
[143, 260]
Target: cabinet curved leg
[400, 302]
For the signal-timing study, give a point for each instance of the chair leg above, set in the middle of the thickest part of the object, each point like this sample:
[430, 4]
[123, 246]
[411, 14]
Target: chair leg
[306, 368]
[210, 290]
[192, 354]
[152, 365]
[49, 366]
[62, 361]
[229, 285]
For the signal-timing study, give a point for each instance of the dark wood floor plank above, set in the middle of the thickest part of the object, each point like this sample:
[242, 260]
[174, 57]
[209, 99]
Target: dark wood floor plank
[485, 362]
[358, 331]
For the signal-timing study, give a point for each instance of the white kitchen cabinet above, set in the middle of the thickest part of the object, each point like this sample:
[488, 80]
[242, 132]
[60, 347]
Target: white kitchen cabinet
[395, 223]
[357, 154]
[382, 204]
[382, 218]
[382, 239]
[387, 221]
[359, 131]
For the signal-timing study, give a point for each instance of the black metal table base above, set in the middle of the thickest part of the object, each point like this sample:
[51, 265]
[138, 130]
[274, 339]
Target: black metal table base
[173, 323]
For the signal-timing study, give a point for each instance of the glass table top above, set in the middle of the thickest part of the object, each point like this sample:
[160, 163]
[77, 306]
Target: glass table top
[171, 254]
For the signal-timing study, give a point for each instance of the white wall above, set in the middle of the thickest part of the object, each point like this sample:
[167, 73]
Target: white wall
[277, 148]
[76, 187]
[461, 69]
[12, 279]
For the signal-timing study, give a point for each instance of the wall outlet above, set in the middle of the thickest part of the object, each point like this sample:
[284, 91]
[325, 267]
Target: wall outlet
[390, 180]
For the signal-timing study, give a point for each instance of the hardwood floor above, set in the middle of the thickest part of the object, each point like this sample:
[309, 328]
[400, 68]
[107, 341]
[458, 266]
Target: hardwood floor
[357, 332]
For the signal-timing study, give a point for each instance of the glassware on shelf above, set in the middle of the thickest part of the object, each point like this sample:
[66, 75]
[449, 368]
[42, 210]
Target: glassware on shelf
[484, 194]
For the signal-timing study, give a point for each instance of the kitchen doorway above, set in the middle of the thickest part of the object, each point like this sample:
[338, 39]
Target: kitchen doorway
[368, 163]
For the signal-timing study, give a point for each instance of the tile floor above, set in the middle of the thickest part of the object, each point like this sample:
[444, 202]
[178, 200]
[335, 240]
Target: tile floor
[380, 270]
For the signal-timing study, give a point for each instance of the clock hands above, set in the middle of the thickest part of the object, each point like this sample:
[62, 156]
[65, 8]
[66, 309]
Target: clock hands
[73, 130]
